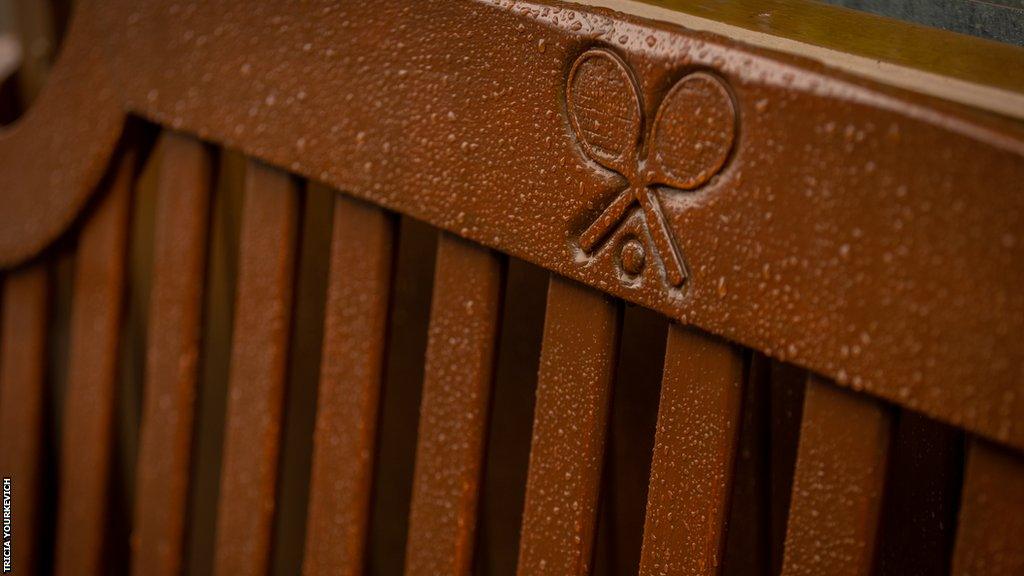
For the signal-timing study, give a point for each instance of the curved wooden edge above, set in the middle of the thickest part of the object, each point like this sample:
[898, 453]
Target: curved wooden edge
[54, 156]
[856, 229]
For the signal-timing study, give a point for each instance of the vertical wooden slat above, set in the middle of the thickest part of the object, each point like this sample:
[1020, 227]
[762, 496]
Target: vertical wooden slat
[22, 390]
[577, 363]
[259, 361]
[355, 330]
[172, 356]
[453, 411]
[838, 483]
[92, 377]
[694, 450]
[990, 538]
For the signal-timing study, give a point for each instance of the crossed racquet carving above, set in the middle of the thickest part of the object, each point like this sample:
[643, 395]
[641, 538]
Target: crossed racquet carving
[688, 143]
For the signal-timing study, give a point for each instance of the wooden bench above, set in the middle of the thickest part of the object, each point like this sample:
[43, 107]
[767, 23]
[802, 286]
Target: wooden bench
[533, 288]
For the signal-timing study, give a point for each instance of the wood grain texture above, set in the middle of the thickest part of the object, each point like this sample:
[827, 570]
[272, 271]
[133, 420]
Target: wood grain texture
[461, 345]
[841, 465]
[172, 356]
[90, 399]
[351, 374]
[578, 356]
[259, 363]
[694, 454]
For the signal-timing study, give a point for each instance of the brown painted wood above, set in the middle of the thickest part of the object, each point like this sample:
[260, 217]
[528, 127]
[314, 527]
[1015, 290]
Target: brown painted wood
[293, 86]
[90, 399]
[355, 330]
[459, 370]
[172, 356]
[22, 405]
[773, 239]
[990, 538]
[54, 156]
[838, 483]
[259, 362]
[577, 363]
[694, 454]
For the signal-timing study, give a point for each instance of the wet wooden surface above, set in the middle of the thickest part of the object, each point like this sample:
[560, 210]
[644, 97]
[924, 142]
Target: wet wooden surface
[838, 485]
[90, 399]
[172, 356]
[570, 421]
[359, 288]
[694, 456]
[259, 362]
[457, 383]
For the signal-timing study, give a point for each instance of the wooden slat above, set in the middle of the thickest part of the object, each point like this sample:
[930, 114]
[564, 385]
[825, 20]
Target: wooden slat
[577, 363]
[87, 444]
[355, 329]
[259, 360]
[990, 538]
[694, 451]
[453, 411]
[22, 397]
[172, 356]
[838, 483]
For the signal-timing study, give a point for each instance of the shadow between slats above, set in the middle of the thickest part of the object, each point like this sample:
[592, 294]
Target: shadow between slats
[630, 443]
[303, 378]
[922, 497]
[218, 324]
[511, 420]
[132, 360]
[747, 540]
[400, 397]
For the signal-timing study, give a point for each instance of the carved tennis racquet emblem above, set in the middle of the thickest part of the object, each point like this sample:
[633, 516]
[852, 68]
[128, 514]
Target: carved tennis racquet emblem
[689, 142]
